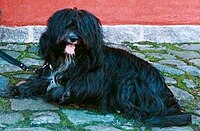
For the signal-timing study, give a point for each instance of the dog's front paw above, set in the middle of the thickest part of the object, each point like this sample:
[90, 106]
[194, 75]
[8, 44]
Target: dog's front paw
[58, 94]
[8, 92]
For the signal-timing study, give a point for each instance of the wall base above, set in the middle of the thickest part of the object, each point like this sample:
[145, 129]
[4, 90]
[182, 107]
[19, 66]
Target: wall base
[115, 34]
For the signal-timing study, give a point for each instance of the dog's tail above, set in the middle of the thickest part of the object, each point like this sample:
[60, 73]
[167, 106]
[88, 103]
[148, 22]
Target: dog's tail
[173, 120]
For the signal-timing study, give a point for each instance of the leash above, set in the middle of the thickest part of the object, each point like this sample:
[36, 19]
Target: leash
[15, 62]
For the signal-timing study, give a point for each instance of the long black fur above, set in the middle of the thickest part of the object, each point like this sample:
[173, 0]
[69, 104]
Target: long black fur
[113, 79]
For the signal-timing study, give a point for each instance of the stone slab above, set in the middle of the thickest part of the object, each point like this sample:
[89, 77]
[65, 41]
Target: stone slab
[172, 62]
[84, 117]
[191, 69]
[185, 54]
[180, 94]
[195, 61]
[11, 118]
[173, 129]
[168, 69]
[45, 118]
[28, 129]
[101, 128]
[4, 81]
[194, 47]
[30, 104]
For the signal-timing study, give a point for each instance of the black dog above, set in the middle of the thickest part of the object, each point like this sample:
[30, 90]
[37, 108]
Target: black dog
[79, 68]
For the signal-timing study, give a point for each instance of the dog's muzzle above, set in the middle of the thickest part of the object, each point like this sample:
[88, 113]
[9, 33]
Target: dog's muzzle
[71, 40]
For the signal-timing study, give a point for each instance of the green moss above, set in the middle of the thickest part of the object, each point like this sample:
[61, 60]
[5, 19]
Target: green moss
[26, 122]
[153, 59]
[4, 104]
[154, 51]
[171, 46]
[65, 122]
[190, 106]
[131, 46]
[24, 54]
[3, 43]
[155, 45]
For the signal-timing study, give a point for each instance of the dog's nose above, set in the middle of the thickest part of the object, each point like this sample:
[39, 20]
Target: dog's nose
[73, 37]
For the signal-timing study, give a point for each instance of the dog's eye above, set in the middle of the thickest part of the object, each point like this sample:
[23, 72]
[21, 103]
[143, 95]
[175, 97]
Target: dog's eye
[73, 26]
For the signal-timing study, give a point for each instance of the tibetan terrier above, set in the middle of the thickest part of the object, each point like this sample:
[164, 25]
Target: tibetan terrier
[79, 68]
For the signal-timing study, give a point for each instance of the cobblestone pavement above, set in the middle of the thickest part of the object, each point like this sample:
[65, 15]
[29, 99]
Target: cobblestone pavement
[179, 63]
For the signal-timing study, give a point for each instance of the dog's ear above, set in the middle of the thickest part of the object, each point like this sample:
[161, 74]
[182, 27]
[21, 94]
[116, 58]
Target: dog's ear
[44, 49]
[90, 27]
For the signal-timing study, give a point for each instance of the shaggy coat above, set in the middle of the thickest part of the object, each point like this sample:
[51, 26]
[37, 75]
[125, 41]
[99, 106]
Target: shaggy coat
[79, 68]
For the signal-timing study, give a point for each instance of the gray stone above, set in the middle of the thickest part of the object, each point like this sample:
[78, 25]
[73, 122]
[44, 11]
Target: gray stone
[140, 55]
[191, 69]
[168, 69]
[142, 45]
[65, 129]
[35, 56]
[3, 62]
[162, 34]
[101, 128]
[171, 34]
[2, 126]
[161, 56]
[172, 129]
[30, 61]
[116, 34]
[189, 83]
[170, 80]
[197, 112]
[195, 61]
[195, 47]
[119, 34]
[153, 48]
[28, 129]
[37, 31]
[148, 47]
[30, 104]
[33, 49]
[180, 94]
[14, 54]
[14, 47]
[198, 105]
[8, 68]
[23, 76]
[195, 120]
[83, 117]
[11, 118]
[127, 128]
[4, 81]
[17, 34]
[45, 118]
[172, 62]
[185, 54]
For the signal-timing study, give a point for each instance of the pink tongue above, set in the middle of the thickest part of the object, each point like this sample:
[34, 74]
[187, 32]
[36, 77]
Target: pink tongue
[70, 49]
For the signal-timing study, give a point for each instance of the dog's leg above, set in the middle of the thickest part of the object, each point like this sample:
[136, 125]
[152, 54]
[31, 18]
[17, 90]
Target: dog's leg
[30, 88]
[104, 105]
[59, 95]
[136, 100]
[36, 85]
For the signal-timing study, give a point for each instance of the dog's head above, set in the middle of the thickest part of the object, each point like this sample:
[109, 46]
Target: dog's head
[70, 32]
